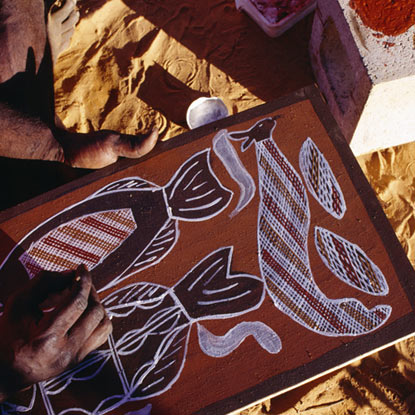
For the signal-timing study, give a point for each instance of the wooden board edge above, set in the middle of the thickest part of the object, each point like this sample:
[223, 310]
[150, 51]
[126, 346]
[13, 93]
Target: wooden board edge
[398, 258]
[162, 146]
[345, 354]
[325, 364]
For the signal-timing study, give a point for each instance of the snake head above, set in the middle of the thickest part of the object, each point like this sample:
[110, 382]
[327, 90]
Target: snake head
[262, 130]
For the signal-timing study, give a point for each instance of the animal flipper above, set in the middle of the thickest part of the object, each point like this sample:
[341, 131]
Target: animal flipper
[194, 193]
[284, 221]
[320, 179]
[211, 291]
[349, 263]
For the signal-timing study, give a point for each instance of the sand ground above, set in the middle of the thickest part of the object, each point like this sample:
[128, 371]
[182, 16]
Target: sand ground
[135, 63]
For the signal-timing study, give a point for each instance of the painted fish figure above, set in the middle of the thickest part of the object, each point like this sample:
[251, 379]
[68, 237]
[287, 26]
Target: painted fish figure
[152, 324]
[123, 228]
[283, 228]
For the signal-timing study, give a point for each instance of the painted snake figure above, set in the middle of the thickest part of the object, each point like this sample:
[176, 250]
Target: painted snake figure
[283, 228]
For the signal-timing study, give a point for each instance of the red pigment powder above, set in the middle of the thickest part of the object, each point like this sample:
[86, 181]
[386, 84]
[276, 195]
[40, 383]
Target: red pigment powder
[391, 17]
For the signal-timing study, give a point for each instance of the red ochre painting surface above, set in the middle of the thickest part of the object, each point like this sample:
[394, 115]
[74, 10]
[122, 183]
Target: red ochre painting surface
[274, 268]
[390, 17]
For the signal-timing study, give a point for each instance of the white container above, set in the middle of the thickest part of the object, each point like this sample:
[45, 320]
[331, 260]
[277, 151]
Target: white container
[204, 111]
[274, 29]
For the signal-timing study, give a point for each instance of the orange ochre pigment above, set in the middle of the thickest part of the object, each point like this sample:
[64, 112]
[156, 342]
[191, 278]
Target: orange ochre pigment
[390, 17]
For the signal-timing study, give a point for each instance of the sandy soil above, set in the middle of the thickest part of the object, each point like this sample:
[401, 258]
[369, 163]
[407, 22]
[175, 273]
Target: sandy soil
[135, 63]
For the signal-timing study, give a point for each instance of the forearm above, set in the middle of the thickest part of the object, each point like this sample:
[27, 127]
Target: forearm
[25, 137]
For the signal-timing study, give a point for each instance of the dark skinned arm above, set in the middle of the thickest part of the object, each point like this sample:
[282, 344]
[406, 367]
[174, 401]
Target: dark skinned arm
[48, 326]
[26, 137]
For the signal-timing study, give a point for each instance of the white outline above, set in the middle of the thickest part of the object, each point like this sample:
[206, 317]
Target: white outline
[212, 173]
[287, 217]
[354, 257]
[326, 179]
[9, 408]
[221, 346]
[170, 322]
[234, 166]
[127, 184]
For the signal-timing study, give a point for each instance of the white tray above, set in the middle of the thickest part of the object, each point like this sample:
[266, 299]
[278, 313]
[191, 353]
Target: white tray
[274, 29]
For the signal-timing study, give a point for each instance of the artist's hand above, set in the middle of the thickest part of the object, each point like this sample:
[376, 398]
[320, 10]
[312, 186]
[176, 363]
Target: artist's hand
[62, 19]
[49, 325]
[102, 148]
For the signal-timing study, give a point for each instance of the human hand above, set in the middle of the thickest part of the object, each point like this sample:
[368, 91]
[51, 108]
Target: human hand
[61, 25]
[102, 148]
[52, 323]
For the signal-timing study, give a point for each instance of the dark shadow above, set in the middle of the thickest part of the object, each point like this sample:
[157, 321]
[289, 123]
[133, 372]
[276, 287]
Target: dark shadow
[376, 376]
[25, 179]
[380, 379]
[215, 31]
[166, 94]
[11, 277]
[31, 94]
[90, 393]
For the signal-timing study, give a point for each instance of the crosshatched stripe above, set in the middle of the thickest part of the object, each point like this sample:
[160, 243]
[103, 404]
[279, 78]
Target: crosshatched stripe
[315, 171]
[369, 272]
[278, 157]
[283, 219]
[320, 179]
[86, 240]
[276, 181]
[336, 200]
[104, 227]
[32, 266]
[71, 249]
[318, 306]
[275, 239]
[349, 263]
[345, 260]
[322, 248]
[380, 314]
[45, 257]
[78, 233]
[355, 314]
[122, 219]
[289, 305]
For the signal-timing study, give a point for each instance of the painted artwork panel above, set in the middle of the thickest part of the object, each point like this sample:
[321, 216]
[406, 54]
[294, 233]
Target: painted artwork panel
[253, 246]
